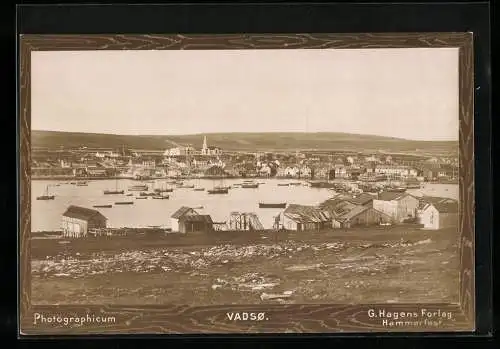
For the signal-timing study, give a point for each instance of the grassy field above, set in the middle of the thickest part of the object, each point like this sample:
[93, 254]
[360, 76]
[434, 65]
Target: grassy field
[249, 142]
[399, 264]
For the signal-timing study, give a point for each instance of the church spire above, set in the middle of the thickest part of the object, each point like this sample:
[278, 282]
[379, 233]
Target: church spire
[205, 142]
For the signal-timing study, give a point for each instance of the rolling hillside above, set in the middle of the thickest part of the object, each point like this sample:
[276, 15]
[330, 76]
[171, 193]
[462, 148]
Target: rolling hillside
[247, 142]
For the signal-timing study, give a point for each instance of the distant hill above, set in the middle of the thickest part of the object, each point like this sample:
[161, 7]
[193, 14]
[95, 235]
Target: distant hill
[247, 142]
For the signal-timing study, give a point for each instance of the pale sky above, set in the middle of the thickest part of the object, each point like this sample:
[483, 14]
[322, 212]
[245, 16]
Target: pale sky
[404, 93]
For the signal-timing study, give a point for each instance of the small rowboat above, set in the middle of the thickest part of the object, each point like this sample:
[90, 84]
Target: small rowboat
[46, 197]
[218, 191]
[161, 197]
[103, 206]
[164, 190]
[111, 192]
[147, 194]
[272, 205]
[124, 203]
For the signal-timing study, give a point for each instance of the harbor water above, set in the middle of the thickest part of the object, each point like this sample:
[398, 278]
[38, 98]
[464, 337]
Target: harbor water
[46, 214]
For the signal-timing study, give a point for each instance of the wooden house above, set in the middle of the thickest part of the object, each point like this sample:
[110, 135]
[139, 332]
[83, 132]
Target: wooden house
[195, 223]
[77, 221]
[439, 213]
[338, 205]
[399, 206]
[363, 199]
[299, 217]
[177, 215]
[360, 216]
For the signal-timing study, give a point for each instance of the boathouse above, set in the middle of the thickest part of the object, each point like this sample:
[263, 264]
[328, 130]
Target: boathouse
[399, 206]
[195, 223]
[360, 216]
[299, 217]
[77, 221]
[180, 213]
[439, 213]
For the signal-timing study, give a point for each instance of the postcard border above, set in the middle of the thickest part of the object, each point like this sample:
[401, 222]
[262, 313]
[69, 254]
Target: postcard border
[328, 318]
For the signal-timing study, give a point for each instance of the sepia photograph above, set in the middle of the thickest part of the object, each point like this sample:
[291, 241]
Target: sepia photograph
[240, 177]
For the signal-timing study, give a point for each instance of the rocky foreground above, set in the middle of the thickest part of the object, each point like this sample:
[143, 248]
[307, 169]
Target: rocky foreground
[290, 271]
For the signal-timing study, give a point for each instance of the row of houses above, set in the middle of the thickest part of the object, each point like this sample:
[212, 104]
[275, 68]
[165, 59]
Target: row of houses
[342, 211]
[347, 211]
[79, 222]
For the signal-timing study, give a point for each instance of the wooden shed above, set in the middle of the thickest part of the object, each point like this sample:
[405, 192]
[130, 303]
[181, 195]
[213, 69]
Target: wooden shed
[439, 214]
[177, 215]
[77, 221]
[300, 217]
[399, 206]
[195, 223]
[361, 216]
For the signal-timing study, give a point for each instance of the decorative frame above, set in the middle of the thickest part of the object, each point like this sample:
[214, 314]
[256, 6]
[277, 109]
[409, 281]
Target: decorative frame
[184, 319]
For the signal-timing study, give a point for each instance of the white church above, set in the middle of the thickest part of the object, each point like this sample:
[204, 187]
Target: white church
[206, 150]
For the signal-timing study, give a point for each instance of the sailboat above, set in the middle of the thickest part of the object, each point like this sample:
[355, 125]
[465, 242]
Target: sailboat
[116, 191]
[219, 190]
[46, 196]
[163, 190]
[249, 184]
[160, 196]
[198, 188]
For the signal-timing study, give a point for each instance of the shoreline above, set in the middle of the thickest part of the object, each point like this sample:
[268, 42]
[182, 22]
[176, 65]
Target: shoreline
[72, 178]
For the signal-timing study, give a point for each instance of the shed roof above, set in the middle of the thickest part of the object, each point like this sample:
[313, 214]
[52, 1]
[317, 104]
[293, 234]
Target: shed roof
[82, 213]
[361, 199]
[427, 200]
[353, 213]
[306, 214]
[199, 218]
[182, 211]
[391, 195]
[357, 211]
[445, 207]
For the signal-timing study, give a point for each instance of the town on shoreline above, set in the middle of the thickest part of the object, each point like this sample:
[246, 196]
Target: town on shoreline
[211, 162]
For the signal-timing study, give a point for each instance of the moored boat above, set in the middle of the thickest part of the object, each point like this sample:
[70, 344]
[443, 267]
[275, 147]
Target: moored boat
[161, 197]
[272, 205]
[46, 196]
[283, 184]
[322, 185]
[218, 191]
[124, 203]
[166, 190]
[250, 185]
[142, 193]
[111, 192]
[115, 191]
[199, 189]
[139, 187]
[102, 206]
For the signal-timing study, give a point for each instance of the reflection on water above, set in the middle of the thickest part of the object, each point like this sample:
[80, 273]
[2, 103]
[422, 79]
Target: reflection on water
[46, 215]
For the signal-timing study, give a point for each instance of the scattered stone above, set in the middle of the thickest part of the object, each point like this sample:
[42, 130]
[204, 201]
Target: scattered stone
[266, 296]
[303, 267]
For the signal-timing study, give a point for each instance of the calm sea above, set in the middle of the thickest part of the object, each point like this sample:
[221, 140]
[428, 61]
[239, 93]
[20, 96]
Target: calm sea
[46, 215]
